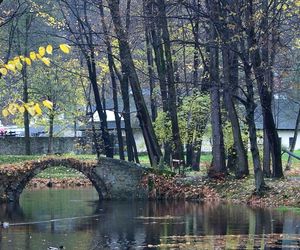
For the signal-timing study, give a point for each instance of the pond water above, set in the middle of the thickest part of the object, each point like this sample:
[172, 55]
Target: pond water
[76, 220]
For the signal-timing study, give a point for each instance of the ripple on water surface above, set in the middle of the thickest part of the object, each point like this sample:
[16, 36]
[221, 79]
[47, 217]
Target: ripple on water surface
[74, 218]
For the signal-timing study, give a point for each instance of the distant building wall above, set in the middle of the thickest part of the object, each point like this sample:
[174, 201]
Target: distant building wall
[286, 137]
[139, 140]
[39, 145]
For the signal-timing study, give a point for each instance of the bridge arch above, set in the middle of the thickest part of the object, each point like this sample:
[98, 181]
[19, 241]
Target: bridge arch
[28, 170]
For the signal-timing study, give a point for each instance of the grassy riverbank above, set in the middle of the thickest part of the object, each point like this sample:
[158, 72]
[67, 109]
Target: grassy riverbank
[283, 192]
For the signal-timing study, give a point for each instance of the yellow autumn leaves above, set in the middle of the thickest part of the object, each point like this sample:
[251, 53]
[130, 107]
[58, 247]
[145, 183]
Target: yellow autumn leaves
[18, 62]
[32, 108]
[65, 48]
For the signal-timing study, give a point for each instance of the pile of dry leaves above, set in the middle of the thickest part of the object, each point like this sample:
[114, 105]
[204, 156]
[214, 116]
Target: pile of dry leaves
[283, 192]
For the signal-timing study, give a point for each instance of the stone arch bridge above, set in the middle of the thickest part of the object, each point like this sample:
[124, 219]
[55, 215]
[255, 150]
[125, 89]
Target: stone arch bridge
[112, 178]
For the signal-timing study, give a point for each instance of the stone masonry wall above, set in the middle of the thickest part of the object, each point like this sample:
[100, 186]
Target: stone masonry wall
[113, 179]
[39, 145]
[122, 179]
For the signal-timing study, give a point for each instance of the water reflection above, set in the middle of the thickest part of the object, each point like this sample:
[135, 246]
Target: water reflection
[52, 220]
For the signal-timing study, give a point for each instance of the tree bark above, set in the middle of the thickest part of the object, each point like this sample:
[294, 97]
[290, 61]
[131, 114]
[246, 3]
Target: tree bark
[85, 41]
[250, 108]
[266, 156]
[172, 100]
[102, 115]
[264, 92]
[142, 112]
[25, 89]
[218, 167]
[292, 148]
[150, 63]
[116, 109]
[242, 161]
[160, 67]
[50, 139]
[113, 83]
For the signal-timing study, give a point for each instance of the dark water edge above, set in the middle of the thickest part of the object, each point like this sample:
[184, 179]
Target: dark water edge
[75, 219]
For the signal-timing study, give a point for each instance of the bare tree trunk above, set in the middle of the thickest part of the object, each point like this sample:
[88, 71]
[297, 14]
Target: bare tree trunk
[25, 89]
[26, 114]
[50, 139]
[113, 83]
[266, 156]
[163, 23]
[102, 115]
[150, 64]
[292, 148]
[218, 164]
[116, 109]
[142, 112]
[157, 45]
[94, 132]
[242, 162]
[264, 92]
[250, 108]
[132, 154]
[230, 74]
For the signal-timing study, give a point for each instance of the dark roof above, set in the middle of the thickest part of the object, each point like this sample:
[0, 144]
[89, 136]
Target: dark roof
[285, 114]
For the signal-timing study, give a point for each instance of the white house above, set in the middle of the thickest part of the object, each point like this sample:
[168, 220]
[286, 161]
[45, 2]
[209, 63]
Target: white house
[285, 112]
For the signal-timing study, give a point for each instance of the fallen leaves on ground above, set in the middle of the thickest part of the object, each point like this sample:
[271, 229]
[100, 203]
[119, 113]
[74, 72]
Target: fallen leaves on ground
[283, 192]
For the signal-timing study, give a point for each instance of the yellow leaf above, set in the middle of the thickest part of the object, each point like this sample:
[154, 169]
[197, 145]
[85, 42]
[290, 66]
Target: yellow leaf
[42, 51]
[49, 49]
[5, 113]
[48, 104]
[32, 56]
[37, 109]
[46, 61]
[17, 60]
[3, 71]
[12, 108]
[65, 48]
[284, 7]
[19, 66]
[11, 67]
[38, 56]
[31, 110]
[28, 61]
[22, 109]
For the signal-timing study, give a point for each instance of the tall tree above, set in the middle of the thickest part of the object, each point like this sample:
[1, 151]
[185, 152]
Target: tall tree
[259, 63]
[127, 60]
[172, 95]
[293, 144]
[113, 83]
[230, 75]
[218, 164]
[84, 37]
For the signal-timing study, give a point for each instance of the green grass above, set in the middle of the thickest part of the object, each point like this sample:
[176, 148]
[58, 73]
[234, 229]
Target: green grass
[8, 159]
[288, 209]
[285, 156]
[62, 172]
[59, 172]
[53, 172]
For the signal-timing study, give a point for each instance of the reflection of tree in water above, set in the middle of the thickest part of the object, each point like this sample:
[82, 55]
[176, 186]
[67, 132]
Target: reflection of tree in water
[11, 212]
[163, 223]
[127, 225]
